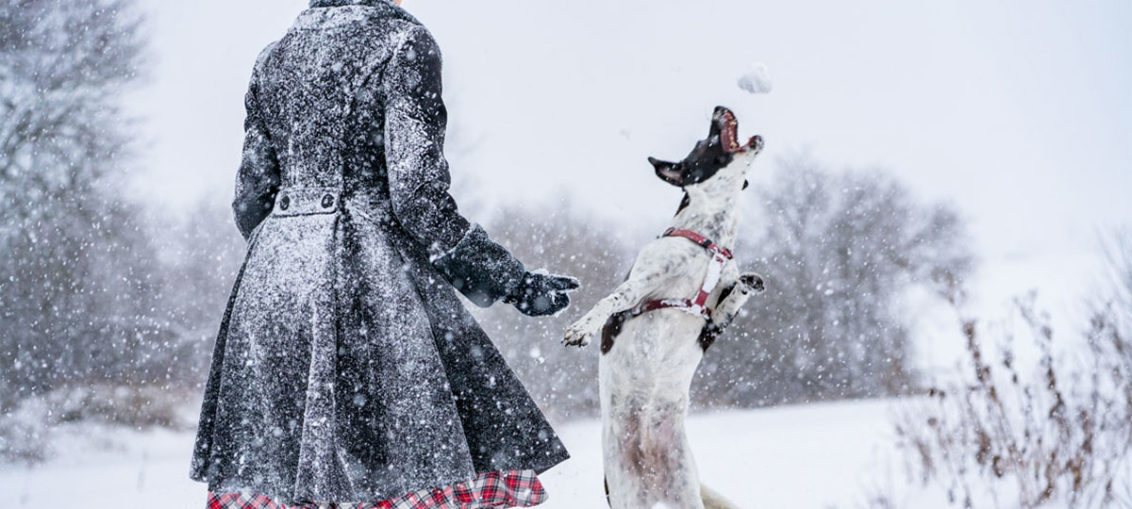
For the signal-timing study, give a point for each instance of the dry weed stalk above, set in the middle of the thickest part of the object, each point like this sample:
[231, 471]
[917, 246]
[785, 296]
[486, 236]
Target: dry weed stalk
[1062, 434]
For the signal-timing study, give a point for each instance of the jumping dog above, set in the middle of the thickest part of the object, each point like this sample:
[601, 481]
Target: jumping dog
[683, 290]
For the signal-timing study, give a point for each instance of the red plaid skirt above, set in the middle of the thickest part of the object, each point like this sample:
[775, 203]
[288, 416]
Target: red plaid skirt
[494, 490]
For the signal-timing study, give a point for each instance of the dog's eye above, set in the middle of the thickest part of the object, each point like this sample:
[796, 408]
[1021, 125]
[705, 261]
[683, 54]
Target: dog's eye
[746, 184]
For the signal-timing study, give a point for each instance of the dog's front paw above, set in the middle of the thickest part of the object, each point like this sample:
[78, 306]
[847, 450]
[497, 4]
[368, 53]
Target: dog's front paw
[577, 336]
[582, 332]
[752, 282]
[728, 307]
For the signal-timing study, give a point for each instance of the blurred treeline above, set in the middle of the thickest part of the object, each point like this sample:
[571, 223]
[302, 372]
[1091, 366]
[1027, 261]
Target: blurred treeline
[107, 306]
[838, 250]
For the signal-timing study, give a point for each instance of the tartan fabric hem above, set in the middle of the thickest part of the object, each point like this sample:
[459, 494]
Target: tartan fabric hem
[492, 490]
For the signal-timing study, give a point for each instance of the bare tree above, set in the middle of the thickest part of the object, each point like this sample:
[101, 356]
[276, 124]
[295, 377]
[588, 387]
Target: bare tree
[838, 252]
[77, 274]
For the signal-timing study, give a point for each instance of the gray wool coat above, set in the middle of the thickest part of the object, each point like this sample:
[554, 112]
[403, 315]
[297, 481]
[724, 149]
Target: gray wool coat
[346, 369]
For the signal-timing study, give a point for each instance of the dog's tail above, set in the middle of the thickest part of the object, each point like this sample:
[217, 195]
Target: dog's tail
[713, 500]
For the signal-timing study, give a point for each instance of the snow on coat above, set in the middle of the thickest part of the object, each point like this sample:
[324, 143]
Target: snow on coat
[346, 369]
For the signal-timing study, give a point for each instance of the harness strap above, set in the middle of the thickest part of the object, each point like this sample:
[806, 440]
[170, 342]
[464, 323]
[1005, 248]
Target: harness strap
[696, 305]
[702, 241]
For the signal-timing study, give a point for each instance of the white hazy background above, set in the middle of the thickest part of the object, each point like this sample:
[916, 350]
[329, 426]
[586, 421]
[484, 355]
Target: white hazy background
[1018, 113]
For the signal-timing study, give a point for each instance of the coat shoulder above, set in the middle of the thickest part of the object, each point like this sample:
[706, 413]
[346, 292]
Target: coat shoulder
[265, 52]
[418, 37]
[411, 31]
[261, 59]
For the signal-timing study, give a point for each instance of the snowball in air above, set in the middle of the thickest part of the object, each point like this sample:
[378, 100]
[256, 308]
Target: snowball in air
[757, 80]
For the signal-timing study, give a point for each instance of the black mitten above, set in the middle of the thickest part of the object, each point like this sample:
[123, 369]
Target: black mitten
[542, 294]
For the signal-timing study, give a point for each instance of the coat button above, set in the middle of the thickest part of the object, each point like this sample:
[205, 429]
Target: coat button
[285, 203]
[327, 201]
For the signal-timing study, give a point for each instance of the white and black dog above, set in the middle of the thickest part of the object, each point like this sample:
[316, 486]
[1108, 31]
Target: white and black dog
[682, 291]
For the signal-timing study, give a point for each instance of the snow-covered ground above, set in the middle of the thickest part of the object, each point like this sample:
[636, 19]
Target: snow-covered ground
[815, 456]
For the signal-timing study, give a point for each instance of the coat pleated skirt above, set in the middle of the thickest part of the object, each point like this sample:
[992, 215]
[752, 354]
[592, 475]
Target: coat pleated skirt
[347, 369]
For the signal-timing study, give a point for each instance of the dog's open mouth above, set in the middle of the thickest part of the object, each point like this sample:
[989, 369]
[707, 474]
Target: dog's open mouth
[729, 132]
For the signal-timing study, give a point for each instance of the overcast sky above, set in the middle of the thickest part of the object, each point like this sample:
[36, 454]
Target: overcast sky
[1019, 113]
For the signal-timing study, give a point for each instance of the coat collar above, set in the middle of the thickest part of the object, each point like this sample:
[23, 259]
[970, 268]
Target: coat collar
[318, 15]
[340, 3]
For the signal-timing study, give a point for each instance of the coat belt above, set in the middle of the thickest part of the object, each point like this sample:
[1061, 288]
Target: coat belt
[306, 201]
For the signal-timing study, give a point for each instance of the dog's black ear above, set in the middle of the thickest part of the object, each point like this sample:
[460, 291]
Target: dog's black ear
[668, 172]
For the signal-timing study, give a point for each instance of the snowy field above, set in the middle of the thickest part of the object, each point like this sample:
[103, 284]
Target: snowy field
[817, 456]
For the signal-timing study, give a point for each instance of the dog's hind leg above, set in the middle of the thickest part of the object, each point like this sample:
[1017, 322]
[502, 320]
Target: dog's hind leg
[713, 500]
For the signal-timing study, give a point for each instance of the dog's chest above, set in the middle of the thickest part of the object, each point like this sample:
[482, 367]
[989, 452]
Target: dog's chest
[683, 272]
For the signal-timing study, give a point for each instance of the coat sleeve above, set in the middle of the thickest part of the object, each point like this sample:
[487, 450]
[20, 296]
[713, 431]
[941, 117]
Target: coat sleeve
[257, 180]
[415, 123]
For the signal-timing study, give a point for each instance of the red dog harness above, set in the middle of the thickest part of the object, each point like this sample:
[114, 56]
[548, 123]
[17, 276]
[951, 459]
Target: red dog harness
[698, 304]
